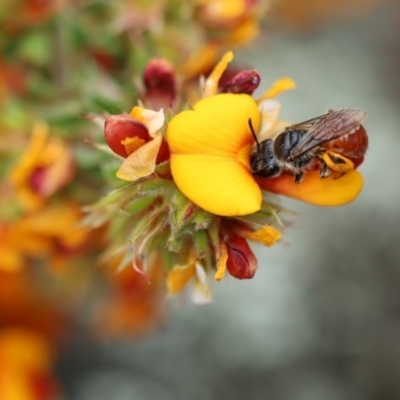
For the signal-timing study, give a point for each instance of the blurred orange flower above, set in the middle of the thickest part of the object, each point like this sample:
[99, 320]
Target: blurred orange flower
[36, 235]
[135, 302]
[26, 363]
[45, 167]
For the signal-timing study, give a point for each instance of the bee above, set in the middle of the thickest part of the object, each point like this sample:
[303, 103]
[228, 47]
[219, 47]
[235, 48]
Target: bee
[334, 141]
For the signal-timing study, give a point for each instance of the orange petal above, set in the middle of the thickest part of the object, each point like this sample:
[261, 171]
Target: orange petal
[267, 235]
[329, 192]
[221, 262]
[278, 87]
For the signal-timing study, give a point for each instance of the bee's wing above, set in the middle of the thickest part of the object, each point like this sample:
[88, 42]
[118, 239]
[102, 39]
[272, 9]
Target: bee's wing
[330, 126]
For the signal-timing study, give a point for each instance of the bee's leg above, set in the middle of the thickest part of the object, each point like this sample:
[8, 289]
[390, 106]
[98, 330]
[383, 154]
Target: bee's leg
[337, 162]
[324, 171]
[298, 177]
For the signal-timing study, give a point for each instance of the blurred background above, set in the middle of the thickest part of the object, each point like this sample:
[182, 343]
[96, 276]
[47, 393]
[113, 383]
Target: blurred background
[321, 319]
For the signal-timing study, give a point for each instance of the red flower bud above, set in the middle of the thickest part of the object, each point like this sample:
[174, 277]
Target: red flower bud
[241, 263]
[120, 127]
[240, 82]
[160, 81]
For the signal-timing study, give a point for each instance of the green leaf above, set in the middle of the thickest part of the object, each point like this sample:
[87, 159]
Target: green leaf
[139, 204]
[155, 187]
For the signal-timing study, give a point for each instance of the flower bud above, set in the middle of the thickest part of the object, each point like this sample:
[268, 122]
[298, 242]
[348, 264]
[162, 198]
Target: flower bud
[160, 82]
[118, 128]
[241, 263]
[245, 82]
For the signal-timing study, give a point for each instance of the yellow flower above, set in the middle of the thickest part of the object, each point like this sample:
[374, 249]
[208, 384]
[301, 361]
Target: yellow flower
[44, 168]
[210, 154]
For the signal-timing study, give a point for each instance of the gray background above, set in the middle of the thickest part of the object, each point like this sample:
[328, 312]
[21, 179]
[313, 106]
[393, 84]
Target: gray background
[321, 319]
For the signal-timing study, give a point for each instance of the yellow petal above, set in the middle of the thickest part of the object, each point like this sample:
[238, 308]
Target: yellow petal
[152, 120]
[329, 192]
[220, 186]
[221, 262]
[211, 148]
[267, 236]
[217, 126]
[141, 162]
[211, 84]
[179, 277]
[281, 85]
[137, 113]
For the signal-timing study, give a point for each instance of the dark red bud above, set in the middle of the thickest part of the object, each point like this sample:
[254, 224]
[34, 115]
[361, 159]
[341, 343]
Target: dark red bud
[241, 263]
[119, 127]
[245, 82]
[159, 78]
[159, 74]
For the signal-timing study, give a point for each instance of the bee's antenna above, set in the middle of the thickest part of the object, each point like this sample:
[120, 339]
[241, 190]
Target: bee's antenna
[254, 135]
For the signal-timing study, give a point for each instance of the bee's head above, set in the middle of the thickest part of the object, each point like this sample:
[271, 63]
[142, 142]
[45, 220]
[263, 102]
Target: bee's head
[263, 162]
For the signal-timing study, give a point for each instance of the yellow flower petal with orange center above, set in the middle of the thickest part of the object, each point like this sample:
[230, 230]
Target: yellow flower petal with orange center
[278, 87]
[49, 154]
[210, 154]
[330, 192]
[179, 277]
[211, 85]
[141, 162]
[267, 236]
